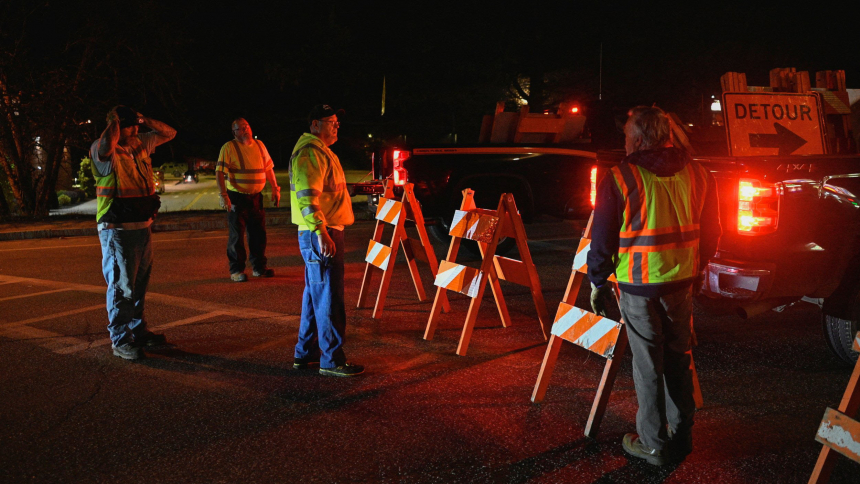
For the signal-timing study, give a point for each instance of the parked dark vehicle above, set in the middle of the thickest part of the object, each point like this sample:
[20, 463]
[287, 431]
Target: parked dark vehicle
[791, 232]
[545, 180]
[158, 175]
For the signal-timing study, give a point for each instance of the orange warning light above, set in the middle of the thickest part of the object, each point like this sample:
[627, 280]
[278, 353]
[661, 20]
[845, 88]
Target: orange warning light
[574, 110]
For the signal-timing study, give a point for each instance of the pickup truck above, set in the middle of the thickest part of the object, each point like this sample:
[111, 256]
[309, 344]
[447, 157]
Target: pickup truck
[545, 180]
[791, 232]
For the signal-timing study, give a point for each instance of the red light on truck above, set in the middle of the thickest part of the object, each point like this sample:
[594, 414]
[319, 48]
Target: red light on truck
[758, 207]
[574, 110]
[400, 174]
[593, 194]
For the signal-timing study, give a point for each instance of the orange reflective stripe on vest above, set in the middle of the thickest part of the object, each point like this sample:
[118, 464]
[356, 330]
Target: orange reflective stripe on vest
[659, 237]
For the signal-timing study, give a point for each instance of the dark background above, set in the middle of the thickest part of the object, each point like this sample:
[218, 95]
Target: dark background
[199, 65]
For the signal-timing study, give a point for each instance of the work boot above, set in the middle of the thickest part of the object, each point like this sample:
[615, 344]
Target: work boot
[238, 277]
[343, 370]
[634, 446]
[264, 273]
[150, 339]
[127, 351]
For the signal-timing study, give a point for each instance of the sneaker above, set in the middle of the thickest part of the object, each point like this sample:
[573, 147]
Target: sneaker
[634, 446]
[238, 277]
[304, 363]
[264, 273]
[127, 351]
[343, 370]
[150, 339]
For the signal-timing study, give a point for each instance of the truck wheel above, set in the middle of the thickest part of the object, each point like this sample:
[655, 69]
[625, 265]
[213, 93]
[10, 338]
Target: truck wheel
[439, 232]
[839, 334]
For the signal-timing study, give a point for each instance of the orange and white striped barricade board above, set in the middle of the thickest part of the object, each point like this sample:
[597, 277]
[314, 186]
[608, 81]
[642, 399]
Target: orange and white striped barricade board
[596, 334]
[380, 256]
[486, 227]
[838, 431]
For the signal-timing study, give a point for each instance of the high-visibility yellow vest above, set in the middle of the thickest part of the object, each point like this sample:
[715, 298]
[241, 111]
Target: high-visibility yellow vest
[659, 239]
[130, 177]
[318, 192]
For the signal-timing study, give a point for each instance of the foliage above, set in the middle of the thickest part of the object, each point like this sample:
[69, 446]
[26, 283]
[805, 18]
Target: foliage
[86, 180]
[62, 65]
[63, 199]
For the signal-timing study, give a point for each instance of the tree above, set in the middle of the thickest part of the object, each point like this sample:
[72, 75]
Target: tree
[61, 67]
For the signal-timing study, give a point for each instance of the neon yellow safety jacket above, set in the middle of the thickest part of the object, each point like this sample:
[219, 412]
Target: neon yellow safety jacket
[318, 194]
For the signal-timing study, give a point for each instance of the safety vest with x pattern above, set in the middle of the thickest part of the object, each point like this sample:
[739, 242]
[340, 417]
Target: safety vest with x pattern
[659, 238]
[130, 177]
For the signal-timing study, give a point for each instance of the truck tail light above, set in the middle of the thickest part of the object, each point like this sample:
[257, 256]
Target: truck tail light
[400, 174]
[593, 193]
[758, 207]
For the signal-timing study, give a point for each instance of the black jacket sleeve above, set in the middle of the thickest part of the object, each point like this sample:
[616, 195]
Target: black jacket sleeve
[709, 224]
[605, 228]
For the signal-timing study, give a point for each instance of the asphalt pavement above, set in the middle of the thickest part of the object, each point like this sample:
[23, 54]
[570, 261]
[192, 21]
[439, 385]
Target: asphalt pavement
[222, 403]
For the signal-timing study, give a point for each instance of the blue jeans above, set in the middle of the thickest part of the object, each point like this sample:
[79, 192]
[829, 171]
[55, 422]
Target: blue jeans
[323, 322]
[126, 265]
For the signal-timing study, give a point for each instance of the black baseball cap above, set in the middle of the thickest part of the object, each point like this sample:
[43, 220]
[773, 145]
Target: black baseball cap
[127, 116]
[323, 111]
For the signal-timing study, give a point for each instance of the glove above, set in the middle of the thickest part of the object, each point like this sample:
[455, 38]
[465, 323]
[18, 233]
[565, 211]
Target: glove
[598, 299]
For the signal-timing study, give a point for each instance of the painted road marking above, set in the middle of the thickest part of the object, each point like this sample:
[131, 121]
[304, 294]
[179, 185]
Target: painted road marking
[99, 245]
[21, 296]
[62, 344]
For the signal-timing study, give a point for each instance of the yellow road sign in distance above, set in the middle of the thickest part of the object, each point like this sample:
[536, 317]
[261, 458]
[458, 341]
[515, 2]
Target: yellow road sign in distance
[771, 123]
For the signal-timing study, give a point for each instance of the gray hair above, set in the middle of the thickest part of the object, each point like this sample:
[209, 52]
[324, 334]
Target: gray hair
[650, 125]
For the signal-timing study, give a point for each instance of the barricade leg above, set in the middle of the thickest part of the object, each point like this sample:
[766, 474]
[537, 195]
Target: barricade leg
[471, 317]
[413, 269]
[849, 405]
[363, 293]
[598, 408]
[546, 368]
[697, 390]
[434, 313]
[499, 297]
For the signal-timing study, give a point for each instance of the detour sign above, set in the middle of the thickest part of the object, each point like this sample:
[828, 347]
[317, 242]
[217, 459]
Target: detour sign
[766, 123]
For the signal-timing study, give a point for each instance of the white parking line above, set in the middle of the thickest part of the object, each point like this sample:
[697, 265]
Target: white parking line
[98, 245]
[62, 344]
[21, 296]
[25, 322]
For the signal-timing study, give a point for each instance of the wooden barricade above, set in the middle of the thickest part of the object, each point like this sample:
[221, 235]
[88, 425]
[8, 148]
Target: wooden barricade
[596, 334]
[381, 256]
[838, 431]
[486, 227]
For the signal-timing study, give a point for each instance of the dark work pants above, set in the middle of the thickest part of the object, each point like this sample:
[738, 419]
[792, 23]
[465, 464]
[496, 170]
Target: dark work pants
[323, 321]
[247, 214]
[659, 331]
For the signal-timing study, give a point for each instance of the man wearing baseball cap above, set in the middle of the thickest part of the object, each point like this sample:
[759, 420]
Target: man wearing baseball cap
[321, 207]
[127, 204]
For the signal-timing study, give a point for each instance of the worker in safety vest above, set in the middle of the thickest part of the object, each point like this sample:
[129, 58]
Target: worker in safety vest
[321, 207]
[243, 167]
[656, 224]
[127, 204]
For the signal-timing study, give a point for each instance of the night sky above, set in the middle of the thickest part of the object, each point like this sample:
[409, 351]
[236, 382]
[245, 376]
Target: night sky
[445, 64]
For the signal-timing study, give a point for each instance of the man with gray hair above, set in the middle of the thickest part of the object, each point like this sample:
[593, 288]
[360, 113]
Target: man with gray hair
[656, 223]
